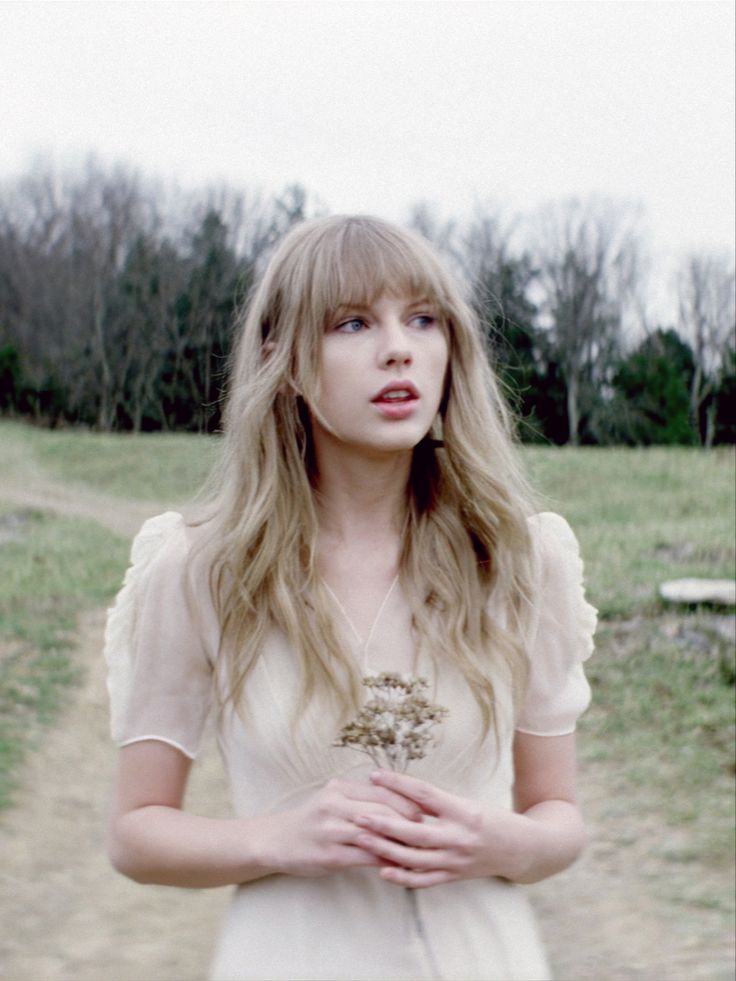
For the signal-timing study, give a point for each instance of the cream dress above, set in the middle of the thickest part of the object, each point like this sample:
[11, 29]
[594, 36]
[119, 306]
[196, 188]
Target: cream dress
[350, 925]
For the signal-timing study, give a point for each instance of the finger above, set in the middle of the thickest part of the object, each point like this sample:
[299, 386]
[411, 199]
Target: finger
[348, 856]
[413, 879]
[411, 833]
[347, 837]
[430, 798]
[410, 858]
[369, 793]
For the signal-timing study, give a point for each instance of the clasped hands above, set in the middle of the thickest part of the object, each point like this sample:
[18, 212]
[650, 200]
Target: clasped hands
[447, 838]
[414, 833]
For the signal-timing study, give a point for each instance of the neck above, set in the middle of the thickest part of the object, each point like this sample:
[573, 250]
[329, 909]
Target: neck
[359, 498]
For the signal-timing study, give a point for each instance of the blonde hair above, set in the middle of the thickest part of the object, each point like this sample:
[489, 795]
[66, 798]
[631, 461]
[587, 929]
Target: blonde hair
[467, 503]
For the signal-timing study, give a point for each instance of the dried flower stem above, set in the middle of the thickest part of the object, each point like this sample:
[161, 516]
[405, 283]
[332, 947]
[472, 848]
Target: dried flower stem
[394, 726]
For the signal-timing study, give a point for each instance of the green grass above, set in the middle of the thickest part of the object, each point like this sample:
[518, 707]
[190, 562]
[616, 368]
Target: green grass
[54, 569]
[147, 467]
[642, 516]
[662, 726]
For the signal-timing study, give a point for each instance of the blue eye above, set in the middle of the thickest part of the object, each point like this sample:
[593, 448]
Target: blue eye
[424, 320]
[352, 326]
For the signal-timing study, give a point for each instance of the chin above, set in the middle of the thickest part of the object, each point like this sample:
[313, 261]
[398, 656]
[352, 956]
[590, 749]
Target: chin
[401, 443]
[399, 438]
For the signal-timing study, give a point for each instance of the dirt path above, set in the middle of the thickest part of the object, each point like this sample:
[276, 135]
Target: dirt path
[122, 517]
[67, 916]
[65, 913]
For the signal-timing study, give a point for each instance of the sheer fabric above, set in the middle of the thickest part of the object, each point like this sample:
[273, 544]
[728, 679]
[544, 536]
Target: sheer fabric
[161, 646]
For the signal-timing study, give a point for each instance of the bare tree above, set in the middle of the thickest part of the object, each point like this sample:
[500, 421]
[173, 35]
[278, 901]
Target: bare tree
[483, 250]
[424, 219]
[707, 312]
[107, 214]
[33, 279]
[587, 253]
[122, 308]
[144, 322]
[478, 250]
[37, 312]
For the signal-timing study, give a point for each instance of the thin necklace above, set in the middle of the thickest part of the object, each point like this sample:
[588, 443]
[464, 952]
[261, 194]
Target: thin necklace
[363, 645]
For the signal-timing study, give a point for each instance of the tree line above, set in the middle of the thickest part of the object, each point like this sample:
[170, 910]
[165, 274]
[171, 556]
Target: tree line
[117, 299]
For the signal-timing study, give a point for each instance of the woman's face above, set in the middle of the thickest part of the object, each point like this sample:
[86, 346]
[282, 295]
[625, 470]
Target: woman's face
[382, 375]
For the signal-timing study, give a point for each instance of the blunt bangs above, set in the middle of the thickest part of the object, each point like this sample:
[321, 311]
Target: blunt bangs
[359, 259]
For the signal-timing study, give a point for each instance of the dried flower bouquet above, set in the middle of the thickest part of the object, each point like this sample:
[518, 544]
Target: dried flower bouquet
[395, 725]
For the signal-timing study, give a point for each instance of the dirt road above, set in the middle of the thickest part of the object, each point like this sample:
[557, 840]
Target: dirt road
[66, 916]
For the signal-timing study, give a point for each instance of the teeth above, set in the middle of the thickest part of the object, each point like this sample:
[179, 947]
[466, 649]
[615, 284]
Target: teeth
[397, 393]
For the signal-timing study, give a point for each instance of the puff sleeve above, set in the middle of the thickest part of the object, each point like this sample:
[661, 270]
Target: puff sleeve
[561, 635]
[159, 672]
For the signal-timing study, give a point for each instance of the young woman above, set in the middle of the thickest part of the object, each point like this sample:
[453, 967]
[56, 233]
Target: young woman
[369, 516]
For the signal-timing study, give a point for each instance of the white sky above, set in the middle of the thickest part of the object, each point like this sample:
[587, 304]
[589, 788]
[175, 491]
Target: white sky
[373, 106]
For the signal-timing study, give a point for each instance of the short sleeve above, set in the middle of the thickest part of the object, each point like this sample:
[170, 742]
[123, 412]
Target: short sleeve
[561, 636]
[159, 672]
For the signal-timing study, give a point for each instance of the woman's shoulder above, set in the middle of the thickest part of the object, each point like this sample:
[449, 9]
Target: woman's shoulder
[561, 631]
[167, 530]
[160, 639]
[548, 527]
[561, 572]
[168, 541]
[158, 551]
[167, 571]
[554, 543]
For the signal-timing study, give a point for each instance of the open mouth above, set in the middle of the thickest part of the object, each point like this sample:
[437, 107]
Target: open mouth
[396, 395]
[397, 400]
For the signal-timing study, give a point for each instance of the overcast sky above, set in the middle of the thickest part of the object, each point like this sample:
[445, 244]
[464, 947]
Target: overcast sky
[373, 106]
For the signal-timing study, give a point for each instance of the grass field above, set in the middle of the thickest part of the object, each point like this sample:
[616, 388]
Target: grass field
[156, 467]
[56, 567]
[663, 682]
[642, 516]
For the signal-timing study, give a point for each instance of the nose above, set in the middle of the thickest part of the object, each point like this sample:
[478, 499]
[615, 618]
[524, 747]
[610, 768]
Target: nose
[396, 348]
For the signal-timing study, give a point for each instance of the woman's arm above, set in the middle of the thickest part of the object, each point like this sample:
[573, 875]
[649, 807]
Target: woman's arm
[152, 840]
[462, 839]
[545, 791]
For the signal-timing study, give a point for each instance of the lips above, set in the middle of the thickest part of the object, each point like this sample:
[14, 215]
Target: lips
[396, 392]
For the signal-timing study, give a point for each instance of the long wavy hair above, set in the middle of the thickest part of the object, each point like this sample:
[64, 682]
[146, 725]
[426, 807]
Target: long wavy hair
[465, 537]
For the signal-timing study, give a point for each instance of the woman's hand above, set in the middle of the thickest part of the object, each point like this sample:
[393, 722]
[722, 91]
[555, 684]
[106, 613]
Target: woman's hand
[321, 836]
[462, 839]
[455, 839]
[152, 840]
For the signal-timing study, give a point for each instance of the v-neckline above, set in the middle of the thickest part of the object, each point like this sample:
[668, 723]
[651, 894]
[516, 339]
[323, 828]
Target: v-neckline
[363, 645]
